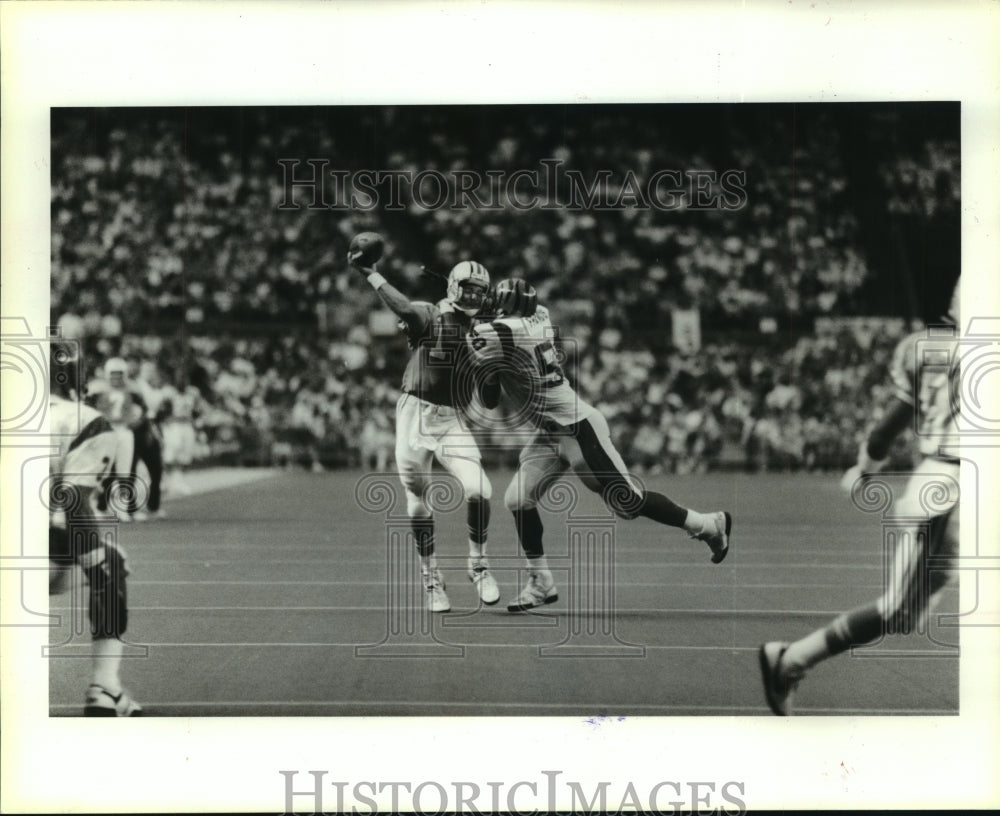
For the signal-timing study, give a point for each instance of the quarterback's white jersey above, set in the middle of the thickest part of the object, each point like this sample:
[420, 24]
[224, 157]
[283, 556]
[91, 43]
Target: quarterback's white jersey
[521, 351]
[85, 439]
[925, 371]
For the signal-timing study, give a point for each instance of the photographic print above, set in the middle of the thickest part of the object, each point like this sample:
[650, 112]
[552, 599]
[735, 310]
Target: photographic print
[694, 315]
[547, 430]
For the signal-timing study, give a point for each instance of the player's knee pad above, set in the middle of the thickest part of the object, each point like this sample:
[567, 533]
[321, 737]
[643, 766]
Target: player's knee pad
[106, 571]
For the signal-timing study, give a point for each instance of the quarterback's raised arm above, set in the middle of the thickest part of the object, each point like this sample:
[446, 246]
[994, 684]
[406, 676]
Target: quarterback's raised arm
[400, 304]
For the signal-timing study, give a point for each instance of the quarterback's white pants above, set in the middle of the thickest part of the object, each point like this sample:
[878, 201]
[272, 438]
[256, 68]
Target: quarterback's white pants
[924, 550]
[424, 432]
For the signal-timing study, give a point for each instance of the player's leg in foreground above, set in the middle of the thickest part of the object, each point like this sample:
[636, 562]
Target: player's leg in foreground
[593, 456]
[105, 569]
[459, 455]
[912, 588]
[413, 463]
[540, 465]
[120, 485]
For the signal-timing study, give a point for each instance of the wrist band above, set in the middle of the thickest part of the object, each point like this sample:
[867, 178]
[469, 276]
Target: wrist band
[376, 280]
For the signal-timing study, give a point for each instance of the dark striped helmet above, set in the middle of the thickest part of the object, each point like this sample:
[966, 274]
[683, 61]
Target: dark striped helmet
[515, 297]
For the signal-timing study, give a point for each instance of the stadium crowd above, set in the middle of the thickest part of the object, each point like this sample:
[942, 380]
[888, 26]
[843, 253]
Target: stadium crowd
[178, 243]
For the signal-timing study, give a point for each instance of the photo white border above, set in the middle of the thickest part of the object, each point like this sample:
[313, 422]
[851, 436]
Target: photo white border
[186, 53]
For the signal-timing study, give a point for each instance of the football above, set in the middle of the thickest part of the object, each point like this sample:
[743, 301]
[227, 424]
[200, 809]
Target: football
[366, 248]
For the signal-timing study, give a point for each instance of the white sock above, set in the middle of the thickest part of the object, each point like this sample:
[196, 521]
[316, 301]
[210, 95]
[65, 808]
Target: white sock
[807, 652]
[540, 567]
[476, 551]
[695, 522]
[106, 662]
[428, 563]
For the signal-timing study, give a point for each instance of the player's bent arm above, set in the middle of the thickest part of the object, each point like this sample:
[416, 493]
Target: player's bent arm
[397, 302]
[874, 450]
[896, 419]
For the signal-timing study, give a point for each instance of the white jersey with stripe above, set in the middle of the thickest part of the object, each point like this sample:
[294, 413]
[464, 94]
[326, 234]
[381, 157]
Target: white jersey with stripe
[85, 440]
[925, 372]
[522, 352]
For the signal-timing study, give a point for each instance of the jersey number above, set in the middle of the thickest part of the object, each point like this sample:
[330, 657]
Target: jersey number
[548, 363]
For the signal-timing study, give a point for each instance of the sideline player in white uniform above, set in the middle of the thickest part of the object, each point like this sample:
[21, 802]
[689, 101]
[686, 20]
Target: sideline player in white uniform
[515, 356]
[429, 419]
[87, 443]
[112, 396]
[925, 371]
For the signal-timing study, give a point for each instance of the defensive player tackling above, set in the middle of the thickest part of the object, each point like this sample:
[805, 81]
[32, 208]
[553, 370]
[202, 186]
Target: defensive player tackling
[517, 359]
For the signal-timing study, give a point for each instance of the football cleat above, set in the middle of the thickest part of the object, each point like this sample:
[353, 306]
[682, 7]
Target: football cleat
[717, 535]
[140, 515]
[437, 598]
[102, 703]
[779, 684]
[482, 579]
[535, 594]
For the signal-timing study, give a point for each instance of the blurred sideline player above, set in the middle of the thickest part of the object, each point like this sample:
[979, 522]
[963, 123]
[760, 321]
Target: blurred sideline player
[924, 374]
[178, 411]
[429, 422]
[123, 408]
[516, 357]
[87, 445]
[148, 440]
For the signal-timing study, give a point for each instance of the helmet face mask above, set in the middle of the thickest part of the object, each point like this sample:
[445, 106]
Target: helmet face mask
[468, 286]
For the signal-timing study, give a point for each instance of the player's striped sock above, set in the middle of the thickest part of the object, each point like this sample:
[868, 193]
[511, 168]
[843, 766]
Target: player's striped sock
[477, 513]
[423, 534]
[528, 524]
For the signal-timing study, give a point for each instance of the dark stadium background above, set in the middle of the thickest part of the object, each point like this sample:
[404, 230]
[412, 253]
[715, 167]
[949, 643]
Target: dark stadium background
[169, 219]
[170, 247]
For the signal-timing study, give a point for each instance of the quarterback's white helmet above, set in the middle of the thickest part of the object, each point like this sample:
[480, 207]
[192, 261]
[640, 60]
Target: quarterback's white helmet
[468, 285]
